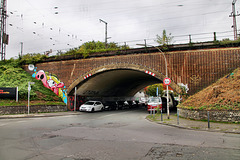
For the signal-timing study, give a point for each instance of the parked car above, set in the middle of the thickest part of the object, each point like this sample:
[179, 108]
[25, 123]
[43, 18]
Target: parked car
[110, 105]
[154, 103]
[91, 106]
[143, 101]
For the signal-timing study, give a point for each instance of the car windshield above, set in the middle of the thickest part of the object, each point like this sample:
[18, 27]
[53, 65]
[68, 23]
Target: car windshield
[153, 100]
[89, 103]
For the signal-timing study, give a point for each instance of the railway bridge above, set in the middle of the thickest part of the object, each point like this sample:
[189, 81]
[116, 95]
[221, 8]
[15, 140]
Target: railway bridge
[116, 74]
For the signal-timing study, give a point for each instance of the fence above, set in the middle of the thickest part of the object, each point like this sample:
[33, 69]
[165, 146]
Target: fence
[183, 39]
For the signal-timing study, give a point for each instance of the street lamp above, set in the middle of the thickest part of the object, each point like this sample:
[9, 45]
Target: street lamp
[165, 72]
[105, 31]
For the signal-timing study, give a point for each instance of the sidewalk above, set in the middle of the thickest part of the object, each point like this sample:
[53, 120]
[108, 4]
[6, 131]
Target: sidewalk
[196, 125]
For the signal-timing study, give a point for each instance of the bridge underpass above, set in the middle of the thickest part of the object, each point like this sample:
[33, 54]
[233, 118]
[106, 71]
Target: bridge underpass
[115, 85]
[197, 68]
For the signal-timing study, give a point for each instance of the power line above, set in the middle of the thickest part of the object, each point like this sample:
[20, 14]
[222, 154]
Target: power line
[131, 13]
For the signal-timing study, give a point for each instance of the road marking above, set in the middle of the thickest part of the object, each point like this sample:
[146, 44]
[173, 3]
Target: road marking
[69, 115]
[2, 125]
[20, 121]
[11, 122]
[109, 115]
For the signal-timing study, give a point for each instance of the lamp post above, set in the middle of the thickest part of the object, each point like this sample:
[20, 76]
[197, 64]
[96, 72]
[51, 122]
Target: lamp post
[165, 71]
[105, 31]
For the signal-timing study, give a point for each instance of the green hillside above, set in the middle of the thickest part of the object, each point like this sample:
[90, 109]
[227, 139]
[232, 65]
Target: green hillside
[12, 75]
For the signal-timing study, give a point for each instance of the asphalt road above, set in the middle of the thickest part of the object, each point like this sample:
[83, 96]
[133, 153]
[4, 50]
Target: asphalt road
[109, 135]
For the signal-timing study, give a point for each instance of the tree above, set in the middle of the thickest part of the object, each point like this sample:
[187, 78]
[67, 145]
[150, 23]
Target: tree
[152, 90]
[164, 39]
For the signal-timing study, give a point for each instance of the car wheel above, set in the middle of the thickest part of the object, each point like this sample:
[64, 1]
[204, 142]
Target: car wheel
[92, 110]
[102, 108]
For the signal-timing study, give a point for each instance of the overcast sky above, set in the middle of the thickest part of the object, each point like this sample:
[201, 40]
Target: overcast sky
[42, 25]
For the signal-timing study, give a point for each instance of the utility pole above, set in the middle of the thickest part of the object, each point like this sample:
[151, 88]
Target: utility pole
[105, 31]
[190, 39]
[3, 35]
[21, 49]
[233, 14]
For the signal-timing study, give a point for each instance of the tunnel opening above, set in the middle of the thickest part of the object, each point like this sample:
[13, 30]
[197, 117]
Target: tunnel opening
[115, 83]
[114, 87]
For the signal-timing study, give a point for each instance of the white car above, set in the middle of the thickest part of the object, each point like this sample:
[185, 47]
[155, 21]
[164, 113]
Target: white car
[91, 106]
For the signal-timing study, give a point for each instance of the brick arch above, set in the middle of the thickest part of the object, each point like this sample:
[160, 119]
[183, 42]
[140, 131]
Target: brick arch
[118, 66]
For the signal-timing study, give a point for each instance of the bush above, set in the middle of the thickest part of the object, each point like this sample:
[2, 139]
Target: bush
[31, 58]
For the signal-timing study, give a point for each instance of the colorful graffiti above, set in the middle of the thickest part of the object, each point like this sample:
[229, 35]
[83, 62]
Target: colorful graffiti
[51, 82]
[79, 101]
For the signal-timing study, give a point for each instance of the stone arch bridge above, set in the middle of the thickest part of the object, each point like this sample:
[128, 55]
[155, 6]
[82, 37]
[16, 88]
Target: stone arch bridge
[116, 75]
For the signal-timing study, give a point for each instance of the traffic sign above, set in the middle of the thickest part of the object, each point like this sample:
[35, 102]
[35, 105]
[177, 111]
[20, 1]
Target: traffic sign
[167, 81]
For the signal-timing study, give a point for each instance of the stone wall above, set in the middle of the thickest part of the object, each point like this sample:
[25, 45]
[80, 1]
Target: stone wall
[33, 109]
[220, 116]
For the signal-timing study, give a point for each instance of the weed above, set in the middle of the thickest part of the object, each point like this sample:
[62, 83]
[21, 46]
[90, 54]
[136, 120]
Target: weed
[195, 127]
[203, 107]
[191, 108]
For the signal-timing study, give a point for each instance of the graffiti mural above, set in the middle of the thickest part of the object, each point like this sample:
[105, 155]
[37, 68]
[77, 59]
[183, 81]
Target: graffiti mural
[79, 101]
[184, 87]
[50, 82]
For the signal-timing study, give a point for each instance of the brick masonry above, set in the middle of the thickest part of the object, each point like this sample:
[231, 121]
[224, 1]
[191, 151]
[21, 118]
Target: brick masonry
[197, 68]
[220, 116]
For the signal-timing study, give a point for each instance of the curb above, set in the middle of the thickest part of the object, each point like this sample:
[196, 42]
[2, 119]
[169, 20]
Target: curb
[181, 127]
[36, 115]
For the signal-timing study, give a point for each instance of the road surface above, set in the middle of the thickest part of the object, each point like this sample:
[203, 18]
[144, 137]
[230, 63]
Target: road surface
[109, 135]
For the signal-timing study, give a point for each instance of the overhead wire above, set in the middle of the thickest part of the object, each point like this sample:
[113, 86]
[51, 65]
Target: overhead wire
[40, 28]
[126, 12]
[177, 17]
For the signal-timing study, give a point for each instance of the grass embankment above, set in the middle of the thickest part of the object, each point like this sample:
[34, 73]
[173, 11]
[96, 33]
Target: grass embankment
[224, 95]
[12, 75]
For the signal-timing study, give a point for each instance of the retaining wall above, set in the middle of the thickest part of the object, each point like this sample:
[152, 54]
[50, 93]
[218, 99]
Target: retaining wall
[220, 116]
[33, 109]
